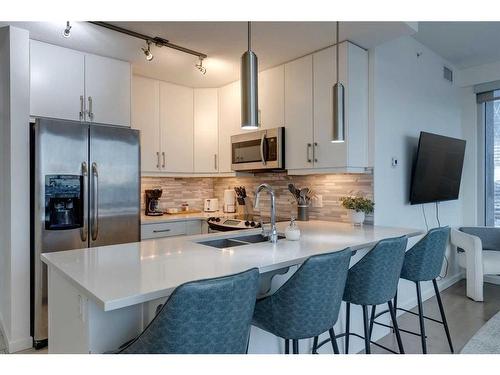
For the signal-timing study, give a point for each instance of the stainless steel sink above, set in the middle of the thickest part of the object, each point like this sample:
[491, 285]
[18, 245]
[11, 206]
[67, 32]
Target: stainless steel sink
[223, 243]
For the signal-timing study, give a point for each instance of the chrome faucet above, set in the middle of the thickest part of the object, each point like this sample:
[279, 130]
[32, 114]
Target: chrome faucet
[273, 234]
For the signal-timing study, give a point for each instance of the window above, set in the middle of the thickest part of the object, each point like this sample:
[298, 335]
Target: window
[492, 158]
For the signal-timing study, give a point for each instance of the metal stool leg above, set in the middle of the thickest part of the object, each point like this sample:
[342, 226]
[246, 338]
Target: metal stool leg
[372, 320]
[347, 326]
[366, 329]
[334, 341]
[395, 326]
[295, 346]
[287, 346]
[421, 318]
[443, 317]
[315, 345]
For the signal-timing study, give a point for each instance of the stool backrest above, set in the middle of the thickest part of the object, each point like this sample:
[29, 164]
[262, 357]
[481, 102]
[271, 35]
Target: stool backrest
[203, 317]
[424, 260]
[374, 279]
[308, 303]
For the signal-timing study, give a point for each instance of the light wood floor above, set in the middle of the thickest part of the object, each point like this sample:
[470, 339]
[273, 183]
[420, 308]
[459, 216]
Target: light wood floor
[465, 317]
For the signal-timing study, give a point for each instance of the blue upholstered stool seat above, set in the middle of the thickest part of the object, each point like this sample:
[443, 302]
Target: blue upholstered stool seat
[202, 317]
[308, 303]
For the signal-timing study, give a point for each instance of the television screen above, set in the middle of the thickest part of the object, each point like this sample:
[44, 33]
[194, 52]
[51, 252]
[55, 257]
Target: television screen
[438, 169]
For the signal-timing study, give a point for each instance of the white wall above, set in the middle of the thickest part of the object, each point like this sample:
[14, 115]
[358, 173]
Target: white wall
[409, 96]
[14, 188]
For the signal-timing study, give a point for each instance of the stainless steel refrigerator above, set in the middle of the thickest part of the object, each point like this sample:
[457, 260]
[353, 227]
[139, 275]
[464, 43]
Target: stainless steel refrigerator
[85, 192]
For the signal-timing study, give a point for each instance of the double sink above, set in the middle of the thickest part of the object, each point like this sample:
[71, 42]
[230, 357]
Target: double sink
[223, 243]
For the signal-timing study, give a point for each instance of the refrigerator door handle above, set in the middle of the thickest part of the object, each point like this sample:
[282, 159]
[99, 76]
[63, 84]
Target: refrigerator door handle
[95, 200]
[84, 229]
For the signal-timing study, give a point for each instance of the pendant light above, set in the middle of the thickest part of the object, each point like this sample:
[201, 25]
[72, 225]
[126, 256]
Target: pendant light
[338, 103]
[249, 87]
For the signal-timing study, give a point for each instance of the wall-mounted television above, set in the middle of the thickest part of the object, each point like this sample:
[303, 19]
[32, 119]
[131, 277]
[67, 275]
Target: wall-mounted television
[437, 171]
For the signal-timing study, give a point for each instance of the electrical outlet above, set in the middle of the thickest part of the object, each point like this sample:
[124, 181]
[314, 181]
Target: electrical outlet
[317, 201]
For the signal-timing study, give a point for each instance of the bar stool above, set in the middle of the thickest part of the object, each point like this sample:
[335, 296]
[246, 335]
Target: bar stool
[373, 281]
[423, 262]
[202, 317]
[308, 303]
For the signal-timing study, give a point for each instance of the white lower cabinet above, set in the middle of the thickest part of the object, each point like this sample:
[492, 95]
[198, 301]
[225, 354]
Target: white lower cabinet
[170, 229]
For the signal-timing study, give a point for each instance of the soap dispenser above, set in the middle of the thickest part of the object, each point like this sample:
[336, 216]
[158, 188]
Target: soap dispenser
[292, 231]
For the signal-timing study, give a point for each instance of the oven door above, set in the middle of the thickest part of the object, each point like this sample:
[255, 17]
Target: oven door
[260, 150]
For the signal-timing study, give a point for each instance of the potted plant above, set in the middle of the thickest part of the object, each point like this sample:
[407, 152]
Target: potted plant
[358, 207]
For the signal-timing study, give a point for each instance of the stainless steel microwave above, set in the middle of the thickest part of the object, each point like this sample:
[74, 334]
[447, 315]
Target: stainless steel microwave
[258, 151]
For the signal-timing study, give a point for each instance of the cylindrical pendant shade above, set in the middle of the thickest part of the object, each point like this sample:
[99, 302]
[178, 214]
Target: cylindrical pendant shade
[338, 113]
[249, 91]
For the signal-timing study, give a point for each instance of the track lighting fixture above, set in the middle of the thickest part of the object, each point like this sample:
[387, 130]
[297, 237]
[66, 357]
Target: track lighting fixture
[147, 51]
[67, 30]
[200, 66]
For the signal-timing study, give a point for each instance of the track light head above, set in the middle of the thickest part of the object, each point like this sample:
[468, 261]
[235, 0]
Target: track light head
[200, 66]
[147, 51]
[67, 30]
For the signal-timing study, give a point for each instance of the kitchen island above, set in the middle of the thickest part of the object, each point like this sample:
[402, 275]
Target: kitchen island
[101, 297]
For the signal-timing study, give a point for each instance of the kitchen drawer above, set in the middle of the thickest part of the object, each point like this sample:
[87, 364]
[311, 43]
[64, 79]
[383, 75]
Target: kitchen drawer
[159, 230]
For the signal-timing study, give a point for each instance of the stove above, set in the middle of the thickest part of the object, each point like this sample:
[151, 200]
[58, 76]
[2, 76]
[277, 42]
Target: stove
[224, 224]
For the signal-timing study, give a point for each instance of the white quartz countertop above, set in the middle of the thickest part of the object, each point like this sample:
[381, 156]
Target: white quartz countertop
[123, 275]
[167, 218]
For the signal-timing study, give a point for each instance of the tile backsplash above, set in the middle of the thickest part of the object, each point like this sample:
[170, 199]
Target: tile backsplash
[331, 187]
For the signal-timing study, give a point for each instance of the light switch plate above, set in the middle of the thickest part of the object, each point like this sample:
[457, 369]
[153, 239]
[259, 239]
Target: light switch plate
[394, 161]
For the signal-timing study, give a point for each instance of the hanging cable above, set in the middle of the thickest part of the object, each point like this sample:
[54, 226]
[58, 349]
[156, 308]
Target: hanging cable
[437, 214]
[425, 218]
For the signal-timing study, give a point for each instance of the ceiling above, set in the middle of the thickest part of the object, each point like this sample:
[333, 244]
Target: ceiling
[464, 44]
[223, 42]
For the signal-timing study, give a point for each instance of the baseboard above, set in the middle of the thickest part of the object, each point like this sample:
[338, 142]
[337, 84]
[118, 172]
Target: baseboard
[492, 279]
[14, 346]
[429, 292]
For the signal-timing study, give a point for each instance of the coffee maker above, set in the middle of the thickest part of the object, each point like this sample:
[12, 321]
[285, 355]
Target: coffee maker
[152, 202]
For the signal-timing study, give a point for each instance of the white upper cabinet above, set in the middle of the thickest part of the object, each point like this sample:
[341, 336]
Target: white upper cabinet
[272, 97]
[176, 128]
[206, 131]
[146, 118]
[107, 90]
[229, 122]
[57, 83]
[299, 113]
[353, 71]
[71, 85]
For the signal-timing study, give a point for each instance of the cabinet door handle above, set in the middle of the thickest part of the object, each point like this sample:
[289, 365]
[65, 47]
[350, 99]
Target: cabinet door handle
[314, 152]
[163, 156]
[91, 114]
[161, 230]
[157, 160]
[309, 160]
[215, 161]
[81, 107]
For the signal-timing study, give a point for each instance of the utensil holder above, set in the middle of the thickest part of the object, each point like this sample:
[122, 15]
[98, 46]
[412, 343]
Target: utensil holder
[302, 213]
